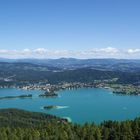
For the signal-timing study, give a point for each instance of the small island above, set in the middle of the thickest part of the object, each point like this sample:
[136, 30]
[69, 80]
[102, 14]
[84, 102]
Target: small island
[14, 97]
[55, 107]
[48, 94]
[50, 107]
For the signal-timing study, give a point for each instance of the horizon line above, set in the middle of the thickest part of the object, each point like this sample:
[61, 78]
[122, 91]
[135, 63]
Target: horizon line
[32, 58]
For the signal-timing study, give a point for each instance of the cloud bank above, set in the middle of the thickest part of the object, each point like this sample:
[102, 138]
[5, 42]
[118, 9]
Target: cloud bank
[108, 52]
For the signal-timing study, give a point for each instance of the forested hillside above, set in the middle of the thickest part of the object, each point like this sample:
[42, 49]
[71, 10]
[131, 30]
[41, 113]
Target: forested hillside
[24, 125]
[24, 73]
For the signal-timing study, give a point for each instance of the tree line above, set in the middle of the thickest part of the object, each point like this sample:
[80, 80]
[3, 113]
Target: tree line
[38, 126]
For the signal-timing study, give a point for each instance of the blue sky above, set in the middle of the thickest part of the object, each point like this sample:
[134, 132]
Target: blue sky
[70, 28]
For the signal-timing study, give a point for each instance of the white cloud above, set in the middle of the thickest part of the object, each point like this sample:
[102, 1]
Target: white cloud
[133, 51]
[108, 52]
[26, 50]
[3, 51]
[40, 51]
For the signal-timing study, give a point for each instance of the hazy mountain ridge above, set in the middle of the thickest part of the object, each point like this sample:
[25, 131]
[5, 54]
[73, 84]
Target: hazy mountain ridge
[132, 65]
[25, 73]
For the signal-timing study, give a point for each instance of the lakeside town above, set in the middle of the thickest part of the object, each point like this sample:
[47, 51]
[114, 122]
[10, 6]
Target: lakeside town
[51, 89]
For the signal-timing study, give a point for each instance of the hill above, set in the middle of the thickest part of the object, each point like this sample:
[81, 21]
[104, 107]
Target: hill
[72, 63]
[22, 118]
[27, 73]
[23, 125]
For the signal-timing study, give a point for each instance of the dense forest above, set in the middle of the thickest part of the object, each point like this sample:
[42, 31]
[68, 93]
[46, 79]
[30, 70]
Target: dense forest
[23, 125]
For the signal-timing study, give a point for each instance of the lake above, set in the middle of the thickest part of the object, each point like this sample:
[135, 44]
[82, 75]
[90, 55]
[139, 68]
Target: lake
[80, 105]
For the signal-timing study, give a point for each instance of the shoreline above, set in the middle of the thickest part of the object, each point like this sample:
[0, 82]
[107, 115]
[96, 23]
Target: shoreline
[51, 90]
[56, 105]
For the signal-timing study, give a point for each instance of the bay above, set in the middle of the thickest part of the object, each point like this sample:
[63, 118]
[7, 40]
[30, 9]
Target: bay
[78, 105]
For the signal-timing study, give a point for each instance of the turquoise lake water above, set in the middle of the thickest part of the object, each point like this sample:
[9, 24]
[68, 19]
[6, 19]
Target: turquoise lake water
[80, 105]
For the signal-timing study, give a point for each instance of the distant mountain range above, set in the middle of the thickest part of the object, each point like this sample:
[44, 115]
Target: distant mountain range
[54, 71]
[72, 63]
